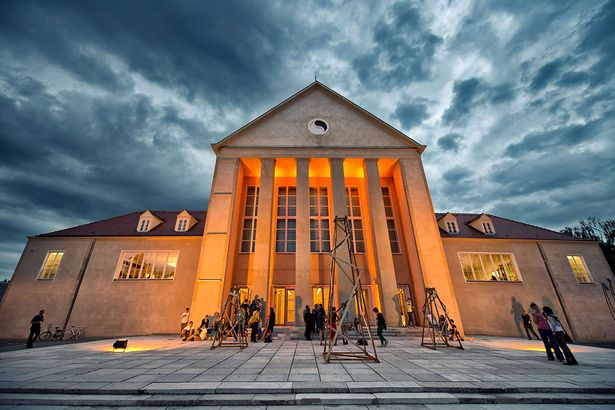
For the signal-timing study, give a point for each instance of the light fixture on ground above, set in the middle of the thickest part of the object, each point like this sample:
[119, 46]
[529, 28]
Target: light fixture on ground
[120, 344]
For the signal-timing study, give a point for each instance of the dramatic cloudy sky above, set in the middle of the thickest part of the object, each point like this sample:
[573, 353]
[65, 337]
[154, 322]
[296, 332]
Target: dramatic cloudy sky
[108, 107]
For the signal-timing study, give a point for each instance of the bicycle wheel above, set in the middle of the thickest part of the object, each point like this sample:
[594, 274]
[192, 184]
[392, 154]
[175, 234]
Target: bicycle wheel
[45, 336]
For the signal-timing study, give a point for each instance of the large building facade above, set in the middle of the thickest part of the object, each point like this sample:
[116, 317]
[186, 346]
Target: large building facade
[278, 183]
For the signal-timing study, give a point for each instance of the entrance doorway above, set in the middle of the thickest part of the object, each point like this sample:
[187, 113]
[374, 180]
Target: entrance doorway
[403, 293]
[284, 306]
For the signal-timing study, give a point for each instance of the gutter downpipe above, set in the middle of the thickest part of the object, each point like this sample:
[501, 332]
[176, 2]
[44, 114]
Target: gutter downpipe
[73, 298]
[557, 290]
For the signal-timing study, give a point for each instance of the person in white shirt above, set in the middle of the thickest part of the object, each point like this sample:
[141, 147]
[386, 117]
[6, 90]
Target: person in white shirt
[409, 312]
[185, 318]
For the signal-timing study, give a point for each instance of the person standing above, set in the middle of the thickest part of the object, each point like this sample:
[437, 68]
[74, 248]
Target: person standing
[409, 312]
[558, 331]
[546, 334]
[270, 324]
[309, 324]
[382, 326]
[527, 325]
[35, 328]
[345, 322]
[333, 324]
[254, 320]
[185, 318]
[320, 322]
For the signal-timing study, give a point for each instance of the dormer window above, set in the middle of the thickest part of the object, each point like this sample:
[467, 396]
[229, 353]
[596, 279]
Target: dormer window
[451, 227]
[144, 226]
[182, 225]
[488, 228]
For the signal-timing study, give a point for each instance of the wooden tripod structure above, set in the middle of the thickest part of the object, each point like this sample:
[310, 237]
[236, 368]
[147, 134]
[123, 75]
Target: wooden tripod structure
[231, 332]
[348, 268]
[437, 330]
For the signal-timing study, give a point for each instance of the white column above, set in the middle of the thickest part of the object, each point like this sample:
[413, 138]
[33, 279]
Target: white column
[303, 289]
[262, 248]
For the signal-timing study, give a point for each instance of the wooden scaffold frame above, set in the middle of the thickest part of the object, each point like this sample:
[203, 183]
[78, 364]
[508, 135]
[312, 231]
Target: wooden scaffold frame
[350, 269]
[438, 332]
[231, 331]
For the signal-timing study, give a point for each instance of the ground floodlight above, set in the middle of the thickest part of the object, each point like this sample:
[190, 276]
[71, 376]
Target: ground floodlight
[120, 344]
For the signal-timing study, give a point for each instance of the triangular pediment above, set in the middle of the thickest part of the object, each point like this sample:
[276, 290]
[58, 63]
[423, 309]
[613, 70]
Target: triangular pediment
[348, 125]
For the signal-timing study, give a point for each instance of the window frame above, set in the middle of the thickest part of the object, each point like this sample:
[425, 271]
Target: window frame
[118, 268]
[452, 228]
[353, 218]
[180, 221]
[488, 228]
[587, 271]
[318, 218]
[144, 224]
[287, 219]
[512, 258]
[392, 219]
[40, 271]
[253, 218]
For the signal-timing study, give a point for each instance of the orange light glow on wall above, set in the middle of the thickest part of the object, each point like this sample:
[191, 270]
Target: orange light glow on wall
[353, 168]
[319, 168]
[285, 168]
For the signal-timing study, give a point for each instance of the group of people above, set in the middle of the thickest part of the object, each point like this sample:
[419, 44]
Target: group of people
[190, 332]
[551, 332]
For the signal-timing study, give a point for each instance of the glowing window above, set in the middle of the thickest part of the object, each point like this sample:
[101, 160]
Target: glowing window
[286, 223]
[486, 267]
[390, 215]
[250, 215]
[320, 236]
[51, 265]
[577, 263]
[353, 210]
[147, 265]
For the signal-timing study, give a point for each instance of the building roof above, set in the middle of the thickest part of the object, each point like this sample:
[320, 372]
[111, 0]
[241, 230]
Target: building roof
[126, 225]
[504, 229]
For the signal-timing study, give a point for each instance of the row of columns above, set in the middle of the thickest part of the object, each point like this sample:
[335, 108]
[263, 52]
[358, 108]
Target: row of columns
[375, 214]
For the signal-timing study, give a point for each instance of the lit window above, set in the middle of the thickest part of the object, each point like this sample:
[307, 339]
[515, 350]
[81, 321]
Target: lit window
[451, 227]
[50, 266]
[144, 226]
[580, 269]
[388, 211]
[353, 210]
[147, 265]
[496, 267]
[488, 229]
[320, 237]
[286, 224]
[250, 214]
[182, 225]
[320, 295]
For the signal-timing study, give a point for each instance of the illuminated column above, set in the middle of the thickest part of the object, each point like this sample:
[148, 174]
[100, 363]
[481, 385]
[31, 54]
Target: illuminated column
[338, 188]
[303, 289]
[262, 249]
[428, 241]
[385, 269]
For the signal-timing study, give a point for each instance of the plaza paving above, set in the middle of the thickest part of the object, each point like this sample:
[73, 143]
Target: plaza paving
[163, 372]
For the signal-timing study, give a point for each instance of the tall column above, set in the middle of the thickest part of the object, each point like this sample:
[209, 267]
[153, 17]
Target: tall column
[385, 269]
[427, 235]
[303, 288]
[262, 249]
[338, 187]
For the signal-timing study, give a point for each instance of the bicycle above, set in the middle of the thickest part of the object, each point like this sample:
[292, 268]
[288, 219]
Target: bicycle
[74, 333]
[58, 334]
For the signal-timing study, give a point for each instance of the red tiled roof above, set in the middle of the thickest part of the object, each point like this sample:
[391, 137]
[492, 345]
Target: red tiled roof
[504, 229]
[126, 225]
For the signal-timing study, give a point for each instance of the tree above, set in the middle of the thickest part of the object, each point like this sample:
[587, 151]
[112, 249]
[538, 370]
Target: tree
[596, 229]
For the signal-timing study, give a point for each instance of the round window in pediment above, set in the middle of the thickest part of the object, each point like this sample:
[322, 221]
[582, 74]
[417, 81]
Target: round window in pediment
[318, 126]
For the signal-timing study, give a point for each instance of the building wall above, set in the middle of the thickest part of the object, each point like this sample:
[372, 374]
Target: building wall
[494, 308]
[26, 295]
[116, 308]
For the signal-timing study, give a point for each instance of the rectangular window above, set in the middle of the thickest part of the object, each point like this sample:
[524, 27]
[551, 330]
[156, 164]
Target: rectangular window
[577, 263]
[451, 227]
[182, 225]
[320, 295]
[51, 265]
[144, 225]
[390, 215]
[485, 267]
[286, 223]
[353, 210]
[320, 236]
[488, 228]
[147, 265]
[250, 215]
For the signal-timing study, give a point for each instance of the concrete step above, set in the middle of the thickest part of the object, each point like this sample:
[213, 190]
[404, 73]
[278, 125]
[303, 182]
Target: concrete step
[297, 333]
[291, 399]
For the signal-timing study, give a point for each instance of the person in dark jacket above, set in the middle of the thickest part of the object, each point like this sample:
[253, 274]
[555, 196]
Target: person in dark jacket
[527, 325]
[309, 322]
[320, 322]
[35, 328]
[382, 326]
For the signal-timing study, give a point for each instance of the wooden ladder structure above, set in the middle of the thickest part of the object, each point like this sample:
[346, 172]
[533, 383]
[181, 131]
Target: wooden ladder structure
[438, 330]
[231, 331]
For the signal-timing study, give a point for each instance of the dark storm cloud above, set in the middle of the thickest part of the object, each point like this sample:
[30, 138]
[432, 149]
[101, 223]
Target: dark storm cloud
[411, 114]
[546, 74]
[456, 174]
[473, 92]
[450, 142]
[403, 51]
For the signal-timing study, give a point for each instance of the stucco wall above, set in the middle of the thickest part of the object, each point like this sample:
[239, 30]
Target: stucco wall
[493, 308]
[135, 307]
[584, 302]
[26, 295]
